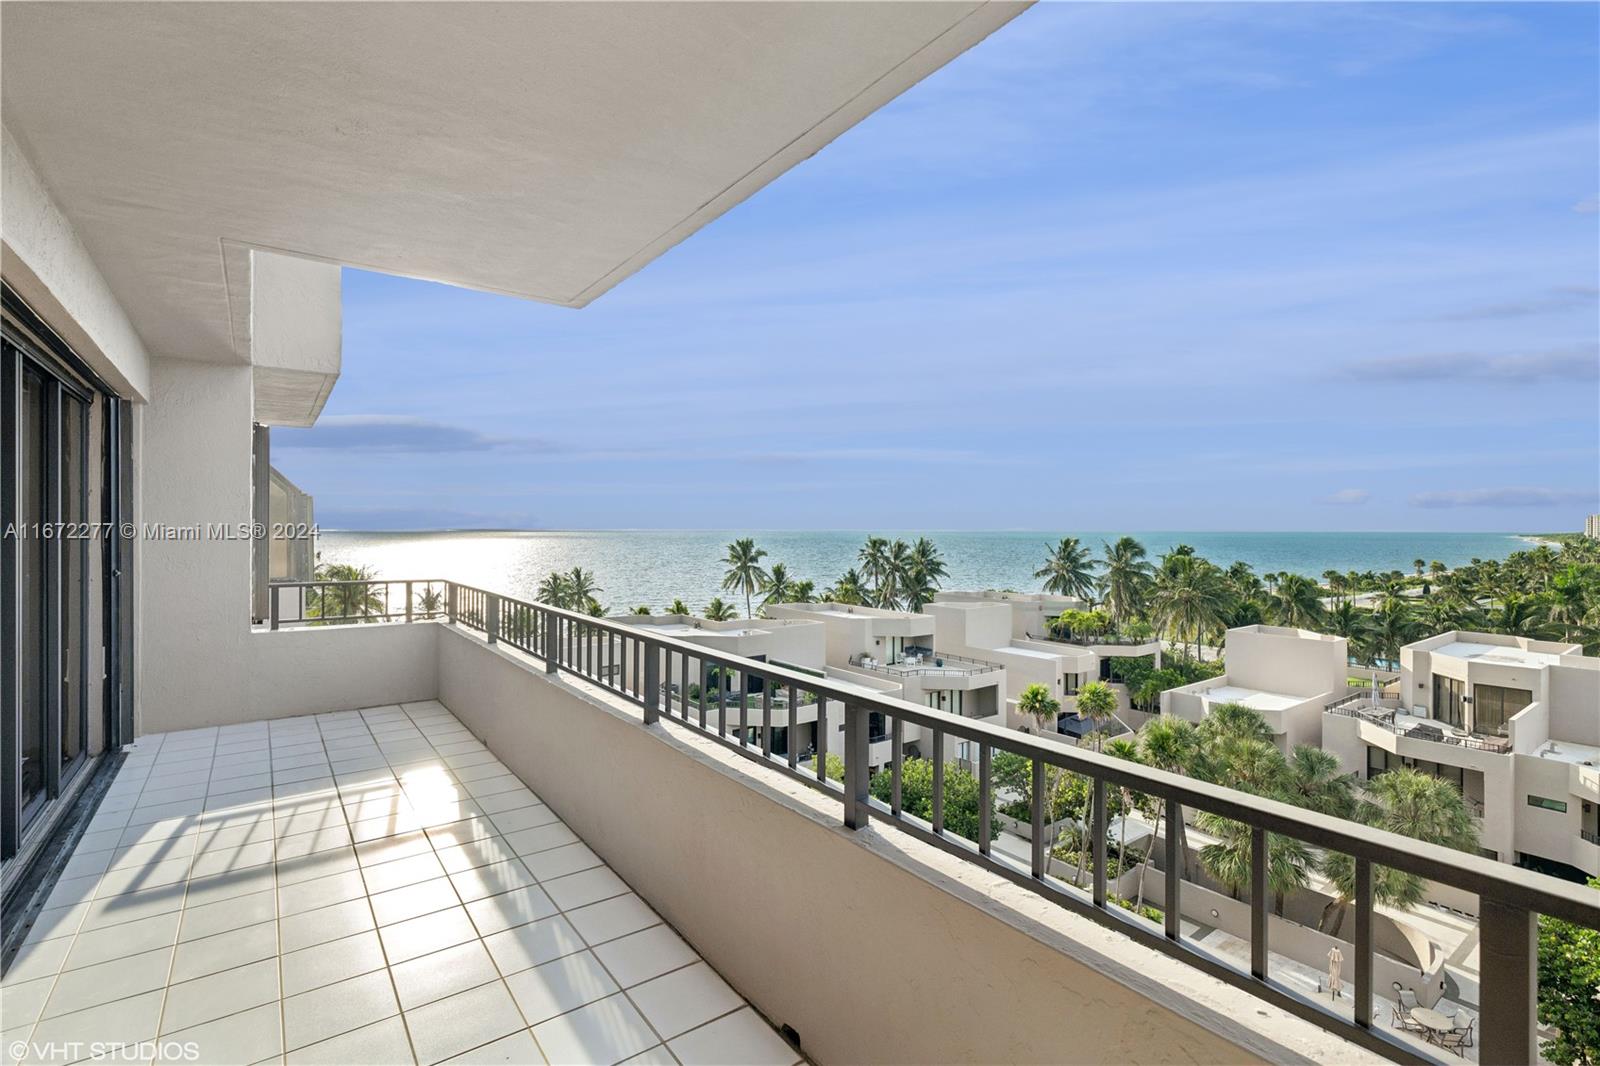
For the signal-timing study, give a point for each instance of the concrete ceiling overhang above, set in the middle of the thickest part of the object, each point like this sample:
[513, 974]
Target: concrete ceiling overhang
[544, 150]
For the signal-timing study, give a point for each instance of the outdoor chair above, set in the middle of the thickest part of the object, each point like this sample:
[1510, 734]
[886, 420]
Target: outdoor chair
[1405, 1002]
[1458, 1039]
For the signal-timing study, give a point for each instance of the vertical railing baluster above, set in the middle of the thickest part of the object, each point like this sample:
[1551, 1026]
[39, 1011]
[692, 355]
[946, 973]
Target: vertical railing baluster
[1036, 813]
[1363, 942]
[938, 780]
[1508, 952]
[1259, 904]
[766, 718]
[822, 737]
[408, 601]
[705, 682]
[722, 699]
[1174, 871]
[683, 685]
[744, 708]
[450, 592]
[652, 682]
[1099, 841]
[985, 797]
[491, 618]
[272, 609]
[856, 781]
[792, 747]
[552, 642]
[897, 738]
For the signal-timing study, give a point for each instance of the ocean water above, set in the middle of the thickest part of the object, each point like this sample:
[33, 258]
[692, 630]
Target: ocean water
[653, 567]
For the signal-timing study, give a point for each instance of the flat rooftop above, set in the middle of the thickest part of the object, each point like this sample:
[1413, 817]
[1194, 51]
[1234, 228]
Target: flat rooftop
[1565, 751]
[1251, 697]
[1504, 654]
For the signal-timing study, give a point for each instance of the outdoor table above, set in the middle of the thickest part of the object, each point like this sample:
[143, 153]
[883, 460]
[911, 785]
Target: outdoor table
[1433, 1021]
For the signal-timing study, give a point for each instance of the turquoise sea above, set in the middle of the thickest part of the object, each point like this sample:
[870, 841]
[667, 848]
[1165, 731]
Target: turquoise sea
[654, 566]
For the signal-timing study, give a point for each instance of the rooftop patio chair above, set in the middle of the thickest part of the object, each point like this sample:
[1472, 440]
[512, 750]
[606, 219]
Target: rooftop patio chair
[1405, 1003]
[1458, 1039]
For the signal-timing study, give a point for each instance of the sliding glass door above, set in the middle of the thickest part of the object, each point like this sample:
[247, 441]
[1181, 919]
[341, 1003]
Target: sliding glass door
[56, 655]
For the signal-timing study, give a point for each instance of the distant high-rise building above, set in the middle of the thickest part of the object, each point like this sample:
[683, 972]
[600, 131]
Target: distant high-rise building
[1591, 526]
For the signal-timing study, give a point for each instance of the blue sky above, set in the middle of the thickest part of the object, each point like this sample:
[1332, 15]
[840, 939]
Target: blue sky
[1298, 266]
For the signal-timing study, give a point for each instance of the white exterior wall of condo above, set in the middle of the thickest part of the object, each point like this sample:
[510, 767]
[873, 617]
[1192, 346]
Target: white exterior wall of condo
[1031, 612]
[854, 631]
[1289, 675]
[982, 628]
[868, 645]
[1529, 764]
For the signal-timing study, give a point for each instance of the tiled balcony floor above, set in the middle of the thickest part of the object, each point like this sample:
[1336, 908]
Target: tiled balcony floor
[361, 887]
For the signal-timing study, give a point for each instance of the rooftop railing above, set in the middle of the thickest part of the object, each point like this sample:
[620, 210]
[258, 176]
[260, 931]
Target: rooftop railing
[940, 664]
[632, 665]
[1382, 713]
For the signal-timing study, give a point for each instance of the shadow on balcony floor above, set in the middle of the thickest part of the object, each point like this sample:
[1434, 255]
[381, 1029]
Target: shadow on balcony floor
[361, 886]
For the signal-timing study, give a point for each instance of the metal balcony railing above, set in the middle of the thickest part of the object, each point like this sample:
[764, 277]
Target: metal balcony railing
[1382, 713]
[301, 603]
[958, 665]
[633, 664]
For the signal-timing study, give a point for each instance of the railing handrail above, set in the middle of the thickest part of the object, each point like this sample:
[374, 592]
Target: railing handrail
[1509, 883]
[902, 669]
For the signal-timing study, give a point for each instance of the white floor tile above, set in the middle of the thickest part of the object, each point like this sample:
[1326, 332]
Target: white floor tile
[327, 1012]
[518, 1049]
[677, 1002]
[740, 1039]
[331, 962]
[557, 987]
[467, 1020]
[220, 994]
[533, 944]
[384, 1043]
[612, 918]
[427, 934]
[443, 973]
[645, 954]
[603, 1032]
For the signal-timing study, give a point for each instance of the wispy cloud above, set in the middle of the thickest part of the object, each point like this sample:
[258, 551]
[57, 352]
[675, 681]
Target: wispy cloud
[1504, 497]
[1348, 497]
[1560, 298]
[1589, 206]
[399, 433]
[1575, 363]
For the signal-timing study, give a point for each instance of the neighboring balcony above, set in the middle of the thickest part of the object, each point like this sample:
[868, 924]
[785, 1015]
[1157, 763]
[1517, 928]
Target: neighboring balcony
[778, 913]
[1387, 713]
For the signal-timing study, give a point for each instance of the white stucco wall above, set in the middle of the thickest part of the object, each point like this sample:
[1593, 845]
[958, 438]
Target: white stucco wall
[194, 595]
[49, 267]
[295, 336]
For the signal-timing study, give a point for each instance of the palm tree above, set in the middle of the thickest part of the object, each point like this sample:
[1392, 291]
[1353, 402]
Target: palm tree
[1289, 861]
[1335, 582]
[1350, 622]
[896, 571]
[717, 611]
[343, 603]
[1191, 598]
[553, 590]
[1068, 571]
[924, 569]
[1569, 594]
[874, 559]
[1168, 744]
[1123, 748]
[777, 588]
[1410, 803]
[849, 589]
[1298, 602]
[1392, 629]
[803, 591]
[1242, 579]
[1417, 565]
[1515, 615]
[582, 592]
[679, 607]
[1096, 702]
[1125, 582]
[1315, 783]
[642, 609]
[744, 572]
[1036, 702]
